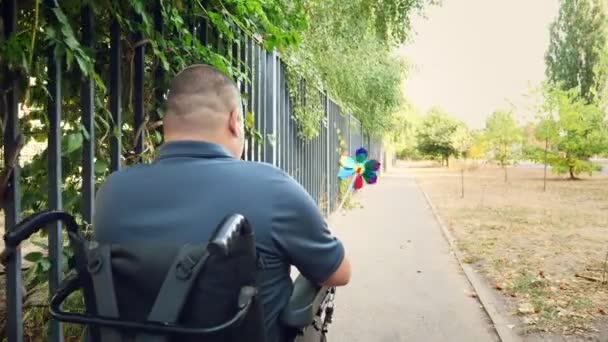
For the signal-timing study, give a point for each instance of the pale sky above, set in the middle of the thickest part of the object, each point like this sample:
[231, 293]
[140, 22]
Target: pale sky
[472, 57]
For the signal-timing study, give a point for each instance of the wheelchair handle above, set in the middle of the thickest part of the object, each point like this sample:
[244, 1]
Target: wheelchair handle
[228, 231]
[30, 225]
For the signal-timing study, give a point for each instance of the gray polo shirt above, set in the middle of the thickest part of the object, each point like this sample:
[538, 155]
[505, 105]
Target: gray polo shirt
[192, 186]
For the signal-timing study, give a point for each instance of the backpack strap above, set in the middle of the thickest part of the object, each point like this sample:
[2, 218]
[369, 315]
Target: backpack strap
[176, 287]
[100, 268]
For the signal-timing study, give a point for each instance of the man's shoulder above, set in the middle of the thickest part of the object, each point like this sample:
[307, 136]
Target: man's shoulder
[274, 181]
[263, 171]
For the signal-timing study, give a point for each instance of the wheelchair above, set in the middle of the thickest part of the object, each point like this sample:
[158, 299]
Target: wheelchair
[152, 291]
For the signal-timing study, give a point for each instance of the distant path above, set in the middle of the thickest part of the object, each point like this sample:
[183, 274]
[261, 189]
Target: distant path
[406, 284]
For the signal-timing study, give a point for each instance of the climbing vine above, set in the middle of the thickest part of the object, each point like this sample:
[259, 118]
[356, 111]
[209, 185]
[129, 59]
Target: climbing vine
[58, 30]
[307, 102]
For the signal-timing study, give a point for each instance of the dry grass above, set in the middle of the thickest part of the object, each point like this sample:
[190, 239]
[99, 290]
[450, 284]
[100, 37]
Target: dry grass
[531, 244]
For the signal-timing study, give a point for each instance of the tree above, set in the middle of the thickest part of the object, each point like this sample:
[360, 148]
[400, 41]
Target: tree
[348, 50]
[503, 136]
[576, 57]
[546, 130]
[462, 140]
[436, 135]
[573, 131]
[479, 145]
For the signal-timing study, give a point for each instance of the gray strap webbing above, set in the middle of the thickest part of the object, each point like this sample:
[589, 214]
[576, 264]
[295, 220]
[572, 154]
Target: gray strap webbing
[100, 269]
[176, 287]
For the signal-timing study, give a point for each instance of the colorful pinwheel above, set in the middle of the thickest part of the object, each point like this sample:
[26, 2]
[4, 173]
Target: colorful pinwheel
[360, 167]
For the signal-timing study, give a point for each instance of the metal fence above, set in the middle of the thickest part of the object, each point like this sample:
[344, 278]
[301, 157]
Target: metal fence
[313, 163]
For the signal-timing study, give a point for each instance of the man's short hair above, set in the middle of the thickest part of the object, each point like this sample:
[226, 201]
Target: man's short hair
[202, 92]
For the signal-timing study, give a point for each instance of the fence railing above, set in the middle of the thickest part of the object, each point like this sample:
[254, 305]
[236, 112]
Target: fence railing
[313, 163]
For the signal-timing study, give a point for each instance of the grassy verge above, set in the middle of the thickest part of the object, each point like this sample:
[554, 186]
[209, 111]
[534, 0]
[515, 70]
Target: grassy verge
[543, 250]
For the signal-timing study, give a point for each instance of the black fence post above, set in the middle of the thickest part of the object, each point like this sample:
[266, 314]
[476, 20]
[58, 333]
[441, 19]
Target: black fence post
[270, 136]
[260, 114]
[11, 200]
[250, 94]
[54, 111]
[159, 73]
[138, 94]
[88, 150]
[115, 97]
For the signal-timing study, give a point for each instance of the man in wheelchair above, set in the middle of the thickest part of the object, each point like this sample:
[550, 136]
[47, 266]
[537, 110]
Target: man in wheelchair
[196, 211]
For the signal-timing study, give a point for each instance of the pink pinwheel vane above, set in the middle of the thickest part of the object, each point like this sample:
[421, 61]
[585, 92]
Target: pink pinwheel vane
[359, 167]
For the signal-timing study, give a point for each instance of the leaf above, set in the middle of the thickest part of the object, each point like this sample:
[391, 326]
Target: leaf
[33, 256]
[70, 40]
[84, 132]
[101, 167]
[40, 244]
[69, 59]
[60, 16]
[74, 142]
[158, 138]
[83, 64]
[45, 264]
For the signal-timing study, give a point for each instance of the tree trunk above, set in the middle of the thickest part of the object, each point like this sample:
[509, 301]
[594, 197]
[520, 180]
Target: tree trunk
[462, 183]
[545, 177]
[572, 176]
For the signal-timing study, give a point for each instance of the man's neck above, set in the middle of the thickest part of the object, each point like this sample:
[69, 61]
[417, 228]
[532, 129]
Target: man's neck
[198, 138]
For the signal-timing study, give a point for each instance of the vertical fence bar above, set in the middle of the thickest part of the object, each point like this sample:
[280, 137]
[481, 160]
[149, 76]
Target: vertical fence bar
[290, 141]
[278, 90]
[319, 158]
[250, 94]
[352, 134]
[243, 61]
[88, 123]
[54, 65]
[361, 141]
[330, 133]
[159, 72]
[270, 154]
[299, 140]
[203, 31]
[115, 97]
[291, 128]
[138, 94]
[234, 55]
[261, 101]
[328, 175]
[283, 115]
[12, 200]
[259, 112]
[286, 119]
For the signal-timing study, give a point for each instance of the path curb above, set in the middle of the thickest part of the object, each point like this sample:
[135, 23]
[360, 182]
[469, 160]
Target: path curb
[484, 292]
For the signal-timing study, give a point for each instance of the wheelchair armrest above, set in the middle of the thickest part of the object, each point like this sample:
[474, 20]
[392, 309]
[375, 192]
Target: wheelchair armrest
[304, 303]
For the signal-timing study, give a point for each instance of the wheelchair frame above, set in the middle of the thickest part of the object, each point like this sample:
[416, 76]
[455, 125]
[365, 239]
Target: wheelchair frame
[307, 315]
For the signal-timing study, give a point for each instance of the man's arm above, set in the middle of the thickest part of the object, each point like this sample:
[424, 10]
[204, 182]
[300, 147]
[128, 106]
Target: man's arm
[341, 276]
[301, 234]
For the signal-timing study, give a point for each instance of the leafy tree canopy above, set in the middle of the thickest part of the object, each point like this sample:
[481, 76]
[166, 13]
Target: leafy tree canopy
[574, 130]
[436, 135]
[577, 54]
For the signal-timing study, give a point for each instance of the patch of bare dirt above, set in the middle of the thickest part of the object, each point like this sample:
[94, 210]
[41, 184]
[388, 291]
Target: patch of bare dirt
[546, 251]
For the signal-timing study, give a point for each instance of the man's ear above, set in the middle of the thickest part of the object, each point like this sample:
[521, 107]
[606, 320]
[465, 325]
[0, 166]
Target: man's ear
[234, 123]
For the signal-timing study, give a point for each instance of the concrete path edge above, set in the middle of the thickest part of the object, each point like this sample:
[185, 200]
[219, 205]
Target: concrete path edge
[479, 284]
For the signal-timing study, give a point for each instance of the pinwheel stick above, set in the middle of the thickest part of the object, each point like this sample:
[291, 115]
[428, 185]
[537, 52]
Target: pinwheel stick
[348, 191]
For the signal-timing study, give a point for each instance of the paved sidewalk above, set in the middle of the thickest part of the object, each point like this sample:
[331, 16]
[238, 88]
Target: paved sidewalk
[406, 284]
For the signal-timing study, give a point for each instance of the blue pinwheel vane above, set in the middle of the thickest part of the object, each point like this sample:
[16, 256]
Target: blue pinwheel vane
[360, 169]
